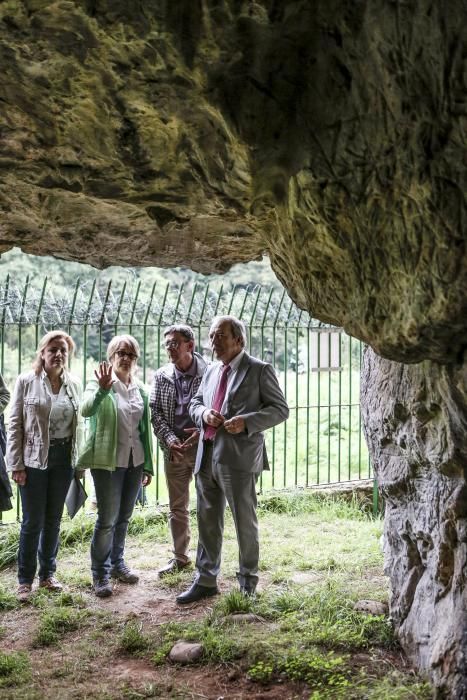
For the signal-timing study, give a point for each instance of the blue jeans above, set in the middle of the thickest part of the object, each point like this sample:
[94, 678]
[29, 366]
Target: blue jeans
[42, 500]
[116, 496]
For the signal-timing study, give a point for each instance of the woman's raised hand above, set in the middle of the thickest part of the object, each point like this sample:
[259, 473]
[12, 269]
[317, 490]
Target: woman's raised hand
[104, 375]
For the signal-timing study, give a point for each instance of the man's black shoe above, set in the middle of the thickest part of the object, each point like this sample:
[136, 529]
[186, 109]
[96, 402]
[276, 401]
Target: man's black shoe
[197, 592]
[248, 591]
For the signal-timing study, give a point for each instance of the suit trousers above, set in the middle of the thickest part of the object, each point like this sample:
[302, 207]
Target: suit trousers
[178, 474]
[216, 485]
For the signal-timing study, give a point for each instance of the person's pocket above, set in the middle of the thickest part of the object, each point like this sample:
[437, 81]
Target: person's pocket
[31, 404]
[32, 450]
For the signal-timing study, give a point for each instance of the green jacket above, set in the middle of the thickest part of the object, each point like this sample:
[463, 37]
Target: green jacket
[100, 447]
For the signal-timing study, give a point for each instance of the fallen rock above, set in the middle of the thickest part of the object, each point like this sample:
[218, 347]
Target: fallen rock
[243, 618]
[185, 652]
[371, 607]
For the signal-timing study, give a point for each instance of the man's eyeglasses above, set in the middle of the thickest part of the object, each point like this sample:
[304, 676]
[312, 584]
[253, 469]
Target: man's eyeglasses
[123, 353]
[174, 344]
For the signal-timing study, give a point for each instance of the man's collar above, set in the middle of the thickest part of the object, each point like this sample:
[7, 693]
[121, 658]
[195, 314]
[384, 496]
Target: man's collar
[191, 371]
[235, 361]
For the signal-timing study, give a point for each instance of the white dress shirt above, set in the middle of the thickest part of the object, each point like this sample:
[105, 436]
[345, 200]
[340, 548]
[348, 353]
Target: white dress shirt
[130, 408]
[233, 364]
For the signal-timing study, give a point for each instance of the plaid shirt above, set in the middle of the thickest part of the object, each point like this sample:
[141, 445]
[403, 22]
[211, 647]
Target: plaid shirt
[163, 399]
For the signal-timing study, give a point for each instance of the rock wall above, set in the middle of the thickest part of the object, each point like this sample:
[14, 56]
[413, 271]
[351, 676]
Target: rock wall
[330, 134]
[415, 419]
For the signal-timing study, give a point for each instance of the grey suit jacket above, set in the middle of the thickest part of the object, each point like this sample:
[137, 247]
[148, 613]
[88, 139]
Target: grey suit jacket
[256, 396]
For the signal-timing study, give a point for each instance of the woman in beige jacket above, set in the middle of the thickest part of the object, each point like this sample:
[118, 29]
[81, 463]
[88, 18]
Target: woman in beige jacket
[43, 432]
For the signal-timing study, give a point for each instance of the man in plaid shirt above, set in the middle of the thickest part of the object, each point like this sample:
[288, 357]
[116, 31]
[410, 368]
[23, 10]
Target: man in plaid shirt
[173, 387]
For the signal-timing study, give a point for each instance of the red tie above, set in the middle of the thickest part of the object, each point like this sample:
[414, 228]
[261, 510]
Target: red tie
[219, 397]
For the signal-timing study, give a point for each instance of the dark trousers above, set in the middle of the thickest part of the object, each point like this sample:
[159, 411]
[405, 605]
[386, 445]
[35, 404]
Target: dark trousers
[42, 500]
[116, 494]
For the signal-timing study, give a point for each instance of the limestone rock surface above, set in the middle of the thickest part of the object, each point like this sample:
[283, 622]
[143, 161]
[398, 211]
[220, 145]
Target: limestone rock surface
[330, 135]
[415, 419]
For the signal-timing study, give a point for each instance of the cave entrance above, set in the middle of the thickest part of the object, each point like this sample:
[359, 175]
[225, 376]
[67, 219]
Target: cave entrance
[318, 365]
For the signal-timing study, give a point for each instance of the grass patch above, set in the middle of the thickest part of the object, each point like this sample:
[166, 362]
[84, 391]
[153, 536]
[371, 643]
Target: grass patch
[316, 668]
[14, 669]
[328, 507]
[132, 640]
[57, 622]
[234, 602]
[319, 555]
[7, 600]
[77, 533]
[9, 539]
[325, 616]
[395, 686]
[220, 646]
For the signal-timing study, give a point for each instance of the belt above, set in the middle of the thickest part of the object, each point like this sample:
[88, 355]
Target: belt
[56, 442]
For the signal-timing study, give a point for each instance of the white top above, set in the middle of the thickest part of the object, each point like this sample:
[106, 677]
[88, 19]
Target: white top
[130, 408]
[61, 414]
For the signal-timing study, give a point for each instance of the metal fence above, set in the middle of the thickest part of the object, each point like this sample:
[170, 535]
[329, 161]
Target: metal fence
[318, 366]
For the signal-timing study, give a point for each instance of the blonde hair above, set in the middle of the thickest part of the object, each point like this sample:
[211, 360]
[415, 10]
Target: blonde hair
[38, 363]
[118, 340]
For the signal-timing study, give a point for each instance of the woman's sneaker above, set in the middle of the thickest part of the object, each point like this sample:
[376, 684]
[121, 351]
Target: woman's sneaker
[24, 592]
[124, 574]
[51, 584]
[102, 587]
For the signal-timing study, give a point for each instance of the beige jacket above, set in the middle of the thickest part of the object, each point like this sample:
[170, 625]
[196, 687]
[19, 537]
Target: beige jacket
[28, 427]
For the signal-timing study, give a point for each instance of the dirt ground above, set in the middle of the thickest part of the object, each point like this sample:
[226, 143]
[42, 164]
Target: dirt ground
[63, 673]
[87, 663]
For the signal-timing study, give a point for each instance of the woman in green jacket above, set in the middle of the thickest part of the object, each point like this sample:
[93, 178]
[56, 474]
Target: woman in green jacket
[119, 453]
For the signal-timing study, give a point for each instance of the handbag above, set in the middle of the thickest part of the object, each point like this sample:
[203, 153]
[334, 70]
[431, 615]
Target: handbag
[76, 497]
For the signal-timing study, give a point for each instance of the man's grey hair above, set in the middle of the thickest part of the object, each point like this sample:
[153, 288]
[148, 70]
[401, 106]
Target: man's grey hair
[237, 326]
[181, 328]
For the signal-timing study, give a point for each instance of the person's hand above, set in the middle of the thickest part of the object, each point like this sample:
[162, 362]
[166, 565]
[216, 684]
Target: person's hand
[19, 477]
[79, 473]
[213, 418]
[146, 480]
[177, 449]
[235, 425]
[192, 439]
[104, 375]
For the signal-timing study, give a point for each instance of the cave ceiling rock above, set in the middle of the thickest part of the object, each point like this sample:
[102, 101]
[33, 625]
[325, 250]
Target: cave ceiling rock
[330, 135]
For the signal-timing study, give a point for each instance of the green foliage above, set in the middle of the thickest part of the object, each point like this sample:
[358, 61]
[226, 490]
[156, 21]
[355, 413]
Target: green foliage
[148, 521]
[261, 671]
[315, 668]
[78, 532]
[43, 600]
[326, 617]
[328, 507]
[233, 602]
[14, 669]
[162, 651]
[396, 686]
[9, 539]
[54, 623]
[7, 600]
[132, 639]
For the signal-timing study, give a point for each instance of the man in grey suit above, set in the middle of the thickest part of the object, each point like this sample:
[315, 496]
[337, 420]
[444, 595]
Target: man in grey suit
[238, 398]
